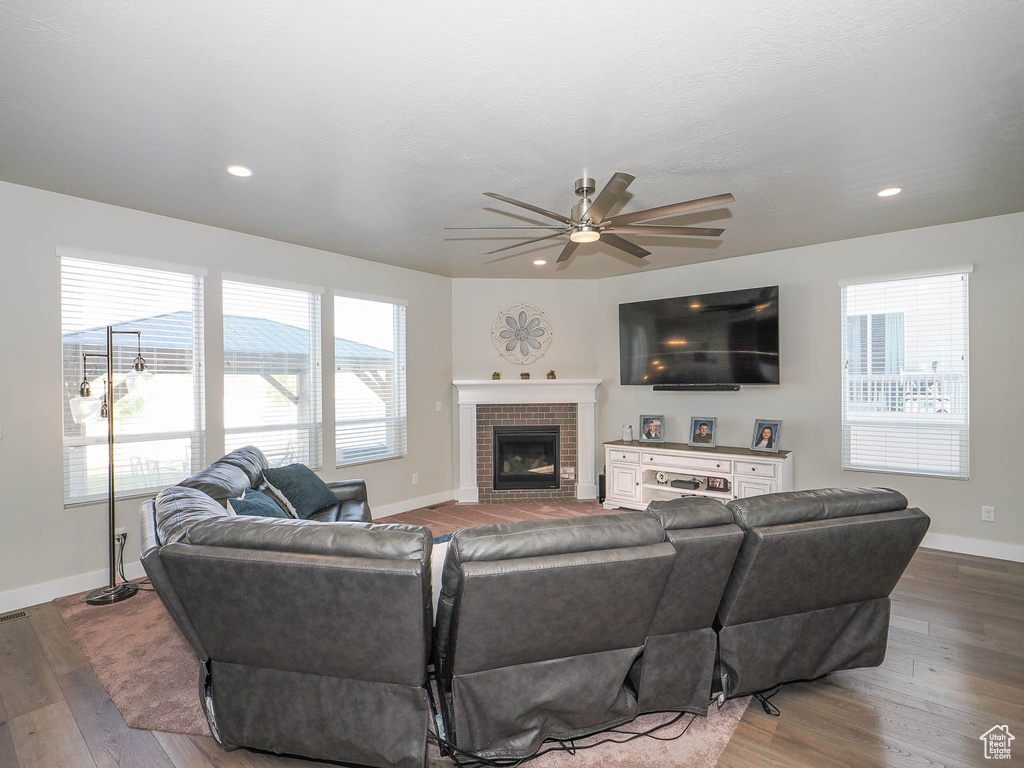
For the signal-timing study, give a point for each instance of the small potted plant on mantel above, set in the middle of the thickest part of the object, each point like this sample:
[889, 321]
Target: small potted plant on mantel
[496, 375]
[524, 375]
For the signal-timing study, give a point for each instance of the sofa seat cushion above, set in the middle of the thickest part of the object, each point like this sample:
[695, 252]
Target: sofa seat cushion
[178, 508]
[230, 476]
[342, 512]
[809, 506]
[298, 490]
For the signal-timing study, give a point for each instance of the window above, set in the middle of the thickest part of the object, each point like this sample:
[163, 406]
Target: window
[905, 375]
[369, 379]
[158, 426]
[272, 372]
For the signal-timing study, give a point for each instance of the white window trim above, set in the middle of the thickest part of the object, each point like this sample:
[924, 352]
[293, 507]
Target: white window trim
[373, 297]
[82, 254]
[939, 272]
[269, 282]
[967, 269]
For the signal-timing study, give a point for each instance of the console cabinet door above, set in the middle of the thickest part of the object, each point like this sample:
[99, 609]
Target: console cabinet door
[624, 482]
[749, 486]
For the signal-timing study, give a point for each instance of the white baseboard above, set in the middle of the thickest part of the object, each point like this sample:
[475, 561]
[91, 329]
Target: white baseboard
[468, 496]
[966, 546]
[586, 492]
[404, 506]
[50, 590]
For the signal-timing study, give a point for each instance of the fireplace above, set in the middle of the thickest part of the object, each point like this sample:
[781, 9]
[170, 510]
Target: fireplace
[485, 404]
[526, 458]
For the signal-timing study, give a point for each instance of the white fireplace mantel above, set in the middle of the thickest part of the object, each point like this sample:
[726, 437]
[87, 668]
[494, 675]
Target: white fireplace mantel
[474, 392]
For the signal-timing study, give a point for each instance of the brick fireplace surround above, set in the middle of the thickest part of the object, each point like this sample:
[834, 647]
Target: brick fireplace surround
[562, 415]
[568, 403]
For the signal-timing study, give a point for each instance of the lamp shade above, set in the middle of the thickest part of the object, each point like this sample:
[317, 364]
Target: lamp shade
[85, 409]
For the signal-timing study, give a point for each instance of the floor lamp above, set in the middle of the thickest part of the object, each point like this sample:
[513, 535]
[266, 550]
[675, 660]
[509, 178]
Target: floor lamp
[80, 412]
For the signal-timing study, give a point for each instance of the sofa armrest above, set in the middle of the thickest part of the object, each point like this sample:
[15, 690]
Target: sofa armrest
[349, 490]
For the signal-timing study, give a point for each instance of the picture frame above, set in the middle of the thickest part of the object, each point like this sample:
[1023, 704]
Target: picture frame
[717, 484]
[761, 440]
[703, 432]
[652, 428]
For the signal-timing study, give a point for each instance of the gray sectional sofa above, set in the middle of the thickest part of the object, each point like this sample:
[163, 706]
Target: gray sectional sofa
[316, 637]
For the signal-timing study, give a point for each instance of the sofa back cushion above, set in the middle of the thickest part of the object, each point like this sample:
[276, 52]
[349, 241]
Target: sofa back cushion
[522, 592]
[690, 512]
[178, 508]
[230, 476]
[789, 569]
[807, 506]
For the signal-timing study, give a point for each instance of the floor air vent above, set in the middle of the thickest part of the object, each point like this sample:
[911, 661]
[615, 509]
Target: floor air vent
[13, 616]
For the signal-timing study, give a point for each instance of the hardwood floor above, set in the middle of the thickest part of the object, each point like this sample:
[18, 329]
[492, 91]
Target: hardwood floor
[955, 668]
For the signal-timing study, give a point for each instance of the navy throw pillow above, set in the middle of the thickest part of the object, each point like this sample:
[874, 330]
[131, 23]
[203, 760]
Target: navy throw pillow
[256, 504]
[442, 539]
[298, 490]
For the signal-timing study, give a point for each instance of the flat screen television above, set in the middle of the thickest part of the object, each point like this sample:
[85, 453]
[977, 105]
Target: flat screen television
[726, 338]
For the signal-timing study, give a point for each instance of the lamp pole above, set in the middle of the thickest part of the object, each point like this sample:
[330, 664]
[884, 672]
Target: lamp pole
[113, 592]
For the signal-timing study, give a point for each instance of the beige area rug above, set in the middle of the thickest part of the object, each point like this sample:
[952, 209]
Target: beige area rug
[142, 659]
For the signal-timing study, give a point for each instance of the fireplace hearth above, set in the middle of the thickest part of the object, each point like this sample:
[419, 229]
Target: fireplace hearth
[526, 458]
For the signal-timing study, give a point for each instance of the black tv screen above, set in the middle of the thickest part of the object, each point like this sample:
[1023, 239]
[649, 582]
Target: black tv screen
[713, 338]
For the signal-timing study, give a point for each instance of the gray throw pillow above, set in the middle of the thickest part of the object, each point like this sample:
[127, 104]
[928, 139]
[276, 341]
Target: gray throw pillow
[298, 490]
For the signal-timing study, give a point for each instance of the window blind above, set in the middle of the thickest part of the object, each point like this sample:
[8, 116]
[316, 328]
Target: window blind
[159, 427]
[272, 379]
[905, 376]
[369, 380]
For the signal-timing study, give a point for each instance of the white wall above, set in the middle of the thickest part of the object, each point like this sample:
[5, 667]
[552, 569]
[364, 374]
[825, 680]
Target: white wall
[42, 542]
[808, 399]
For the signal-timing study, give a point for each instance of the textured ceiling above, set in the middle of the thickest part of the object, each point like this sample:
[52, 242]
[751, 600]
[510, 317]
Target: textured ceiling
[371, 126]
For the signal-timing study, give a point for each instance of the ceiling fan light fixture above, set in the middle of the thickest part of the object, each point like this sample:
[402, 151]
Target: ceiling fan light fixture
[585, 235]
[240, 171]
[539, 262]
[890, 191]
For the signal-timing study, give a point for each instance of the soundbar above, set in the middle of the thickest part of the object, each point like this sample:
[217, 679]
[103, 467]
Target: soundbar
[696, 387]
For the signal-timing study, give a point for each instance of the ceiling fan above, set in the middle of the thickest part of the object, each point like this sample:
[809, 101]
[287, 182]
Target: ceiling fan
[586, 223]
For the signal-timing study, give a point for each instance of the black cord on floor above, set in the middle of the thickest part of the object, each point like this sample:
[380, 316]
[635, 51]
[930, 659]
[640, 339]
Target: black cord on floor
[764, 698]
[474, 760]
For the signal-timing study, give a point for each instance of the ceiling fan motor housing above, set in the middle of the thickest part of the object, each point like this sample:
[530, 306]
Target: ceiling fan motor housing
[585, 187]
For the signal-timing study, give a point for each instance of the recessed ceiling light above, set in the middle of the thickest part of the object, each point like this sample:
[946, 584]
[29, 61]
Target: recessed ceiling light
[539, 262]
[890, 191]
[240, 171]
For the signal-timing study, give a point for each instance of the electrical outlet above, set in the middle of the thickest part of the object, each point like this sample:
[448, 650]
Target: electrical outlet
[415, 478]
[437, 406]
[988, 514]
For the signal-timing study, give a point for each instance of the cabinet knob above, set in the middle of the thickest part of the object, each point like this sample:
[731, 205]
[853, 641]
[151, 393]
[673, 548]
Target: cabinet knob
[638, 483]
[718, 465]
[753, 469]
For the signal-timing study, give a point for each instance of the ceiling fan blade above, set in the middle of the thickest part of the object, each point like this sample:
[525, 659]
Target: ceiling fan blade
[652, 229]
[670, 210]
[527, 206]
[560, 229]
[609, 196]
[526, 242]
[567, 252]
[624, 245]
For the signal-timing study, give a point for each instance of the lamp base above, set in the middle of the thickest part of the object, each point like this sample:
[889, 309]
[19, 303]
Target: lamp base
[115, 594]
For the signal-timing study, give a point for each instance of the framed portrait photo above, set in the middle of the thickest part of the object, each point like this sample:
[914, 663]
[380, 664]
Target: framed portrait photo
[652, 428]
[766, 435]
[703, 432]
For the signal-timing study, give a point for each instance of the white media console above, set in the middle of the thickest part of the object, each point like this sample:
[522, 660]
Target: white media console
[632, 470]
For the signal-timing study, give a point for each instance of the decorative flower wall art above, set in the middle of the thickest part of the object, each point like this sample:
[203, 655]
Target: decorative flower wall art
[521, 333]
